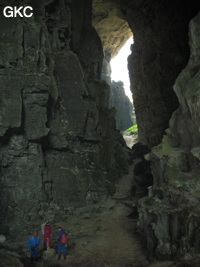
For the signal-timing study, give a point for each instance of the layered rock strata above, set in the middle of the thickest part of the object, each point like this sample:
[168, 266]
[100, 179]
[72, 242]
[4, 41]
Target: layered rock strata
[169, 215]
[59, 144]
[58, 139]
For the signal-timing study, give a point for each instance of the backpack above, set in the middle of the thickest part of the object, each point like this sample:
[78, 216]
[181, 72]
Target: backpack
[64, 238]
[42, 228]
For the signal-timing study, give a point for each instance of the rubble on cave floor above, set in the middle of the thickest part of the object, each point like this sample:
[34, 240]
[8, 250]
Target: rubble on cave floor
[100, 235]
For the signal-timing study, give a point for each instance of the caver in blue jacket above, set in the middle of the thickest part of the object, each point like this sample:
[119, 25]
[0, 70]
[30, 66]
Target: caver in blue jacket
[33, 244]
[61, 245]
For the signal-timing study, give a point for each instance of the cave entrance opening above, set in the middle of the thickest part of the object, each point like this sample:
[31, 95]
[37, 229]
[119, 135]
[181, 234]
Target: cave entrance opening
[121, 96]
[116, 38]
[119, 69]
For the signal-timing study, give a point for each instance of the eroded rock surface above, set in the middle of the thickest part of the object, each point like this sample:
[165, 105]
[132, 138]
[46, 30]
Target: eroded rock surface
[112, 28]
[59, 143]
[170, 214]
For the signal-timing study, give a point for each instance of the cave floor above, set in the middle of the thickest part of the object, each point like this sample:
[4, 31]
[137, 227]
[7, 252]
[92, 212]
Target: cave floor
[100, 235]
[130, 139]
[105, 234]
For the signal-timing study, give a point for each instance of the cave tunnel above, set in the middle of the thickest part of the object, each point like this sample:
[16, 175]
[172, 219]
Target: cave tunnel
[155, 49]
[62, 157]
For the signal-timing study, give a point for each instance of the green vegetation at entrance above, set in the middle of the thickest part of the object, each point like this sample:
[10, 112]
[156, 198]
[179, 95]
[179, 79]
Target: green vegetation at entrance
[133, 128]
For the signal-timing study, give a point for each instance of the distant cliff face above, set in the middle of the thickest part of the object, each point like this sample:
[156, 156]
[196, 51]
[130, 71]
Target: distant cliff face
[124, 108]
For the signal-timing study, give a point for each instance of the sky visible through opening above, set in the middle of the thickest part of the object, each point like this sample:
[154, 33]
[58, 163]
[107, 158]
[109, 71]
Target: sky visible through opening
[119, 67]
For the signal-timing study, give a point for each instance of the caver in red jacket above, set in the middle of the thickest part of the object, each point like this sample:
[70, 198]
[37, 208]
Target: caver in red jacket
[47, 235]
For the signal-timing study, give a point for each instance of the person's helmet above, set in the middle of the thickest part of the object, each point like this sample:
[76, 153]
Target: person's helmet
[35, 233]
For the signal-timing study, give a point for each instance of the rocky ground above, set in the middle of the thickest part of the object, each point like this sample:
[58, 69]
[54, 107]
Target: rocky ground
[130, 139]
[101, 235]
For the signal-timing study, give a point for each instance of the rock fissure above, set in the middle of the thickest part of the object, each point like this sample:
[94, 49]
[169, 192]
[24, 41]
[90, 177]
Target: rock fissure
[62, 155]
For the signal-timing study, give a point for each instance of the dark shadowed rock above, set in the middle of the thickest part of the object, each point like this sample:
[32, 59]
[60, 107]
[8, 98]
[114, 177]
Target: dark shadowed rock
[8, 259]
[122, 104]
[59, 143]
[59, 146]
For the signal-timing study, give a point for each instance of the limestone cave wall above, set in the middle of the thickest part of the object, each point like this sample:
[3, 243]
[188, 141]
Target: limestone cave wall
[159, 53]
[59, 147]
[169, 215]
[164, 75]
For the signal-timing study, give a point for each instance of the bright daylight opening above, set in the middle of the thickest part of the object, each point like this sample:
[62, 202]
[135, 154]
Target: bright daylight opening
[119, 72]
[119, 67]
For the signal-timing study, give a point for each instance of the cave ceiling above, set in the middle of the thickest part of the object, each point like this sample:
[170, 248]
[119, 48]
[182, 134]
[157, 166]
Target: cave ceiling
[113, 30]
